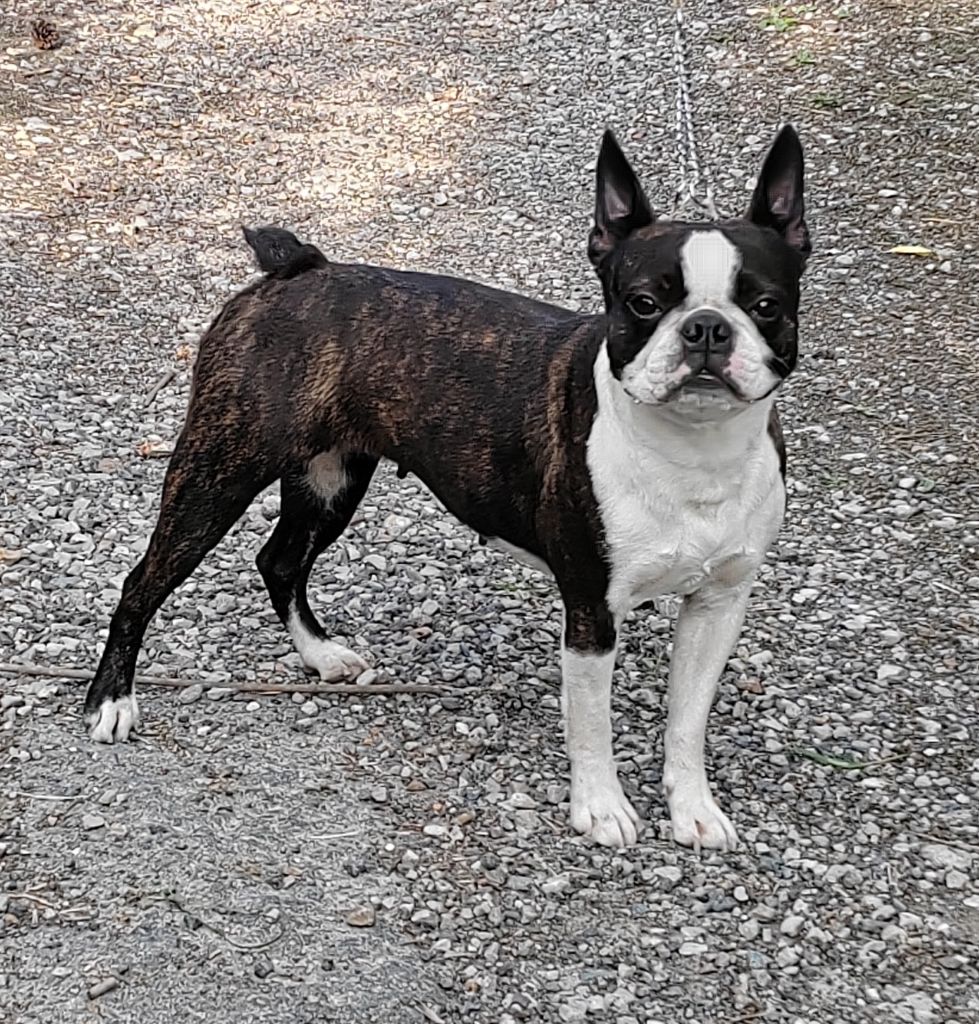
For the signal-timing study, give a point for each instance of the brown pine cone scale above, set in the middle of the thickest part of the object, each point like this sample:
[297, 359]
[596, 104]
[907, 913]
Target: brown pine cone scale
[44, 34]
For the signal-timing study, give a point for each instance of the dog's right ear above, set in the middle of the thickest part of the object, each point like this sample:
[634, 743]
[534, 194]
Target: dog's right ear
[620, 203]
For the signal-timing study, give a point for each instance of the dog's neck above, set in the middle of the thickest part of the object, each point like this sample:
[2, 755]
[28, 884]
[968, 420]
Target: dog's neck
[686, 442]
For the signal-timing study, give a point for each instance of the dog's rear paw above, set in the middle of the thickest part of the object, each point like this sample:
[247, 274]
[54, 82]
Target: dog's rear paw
[113, 720]
[599, 809]
[331, 660]
[698, 821]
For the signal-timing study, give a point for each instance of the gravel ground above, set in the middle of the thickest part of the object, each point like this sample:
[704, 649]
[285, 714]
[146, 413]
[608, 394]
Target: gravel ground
[408, 858]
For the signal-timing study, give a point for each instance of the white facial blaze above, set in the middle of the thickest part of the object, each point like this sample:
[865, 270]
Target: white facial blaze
[710, 263]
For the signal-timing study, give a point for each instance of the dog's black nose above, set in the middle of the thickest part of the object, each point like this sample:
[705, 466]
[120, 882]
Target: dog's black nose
[706, 332]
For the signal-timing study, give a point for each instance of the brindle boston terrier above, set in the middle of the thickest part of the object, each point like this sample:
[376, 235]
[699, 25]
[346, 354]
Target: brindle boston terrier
[630, 454]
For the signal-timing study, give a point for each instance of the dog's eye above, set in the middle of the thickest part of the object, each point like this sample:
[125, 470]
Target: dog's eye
[645, 307]
[765, 309]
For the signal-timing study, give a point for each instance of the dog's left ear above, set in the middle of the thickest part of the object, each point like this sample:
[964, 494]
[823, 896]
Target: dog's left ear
[620, 203]
[778, 201]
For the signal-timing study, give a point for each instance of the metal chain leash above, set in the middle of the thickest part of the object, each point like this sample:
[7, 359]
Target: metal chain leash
[691, 176]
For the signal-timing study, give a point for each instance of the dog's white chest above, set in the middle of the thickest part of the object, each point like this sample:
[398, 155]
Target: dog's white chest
[660, 543]
[672, 523]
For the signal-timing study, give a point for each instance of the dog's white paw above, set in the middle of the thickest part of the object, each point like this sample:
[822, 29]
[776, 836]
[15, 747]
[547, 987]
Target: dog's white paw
[114, 720]
[600, 809]
[697, 820]
[332, 660]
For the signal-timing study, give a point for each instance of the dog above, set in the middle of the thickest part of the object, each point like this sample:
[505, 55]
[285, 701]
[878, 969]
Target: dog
[630, 454]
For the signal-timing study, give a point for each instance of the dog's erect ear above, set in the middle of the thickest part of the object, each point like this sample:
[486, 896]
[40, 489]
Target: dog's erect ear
[620, 204]
[274, 248]
[778, 201]
[279, 252]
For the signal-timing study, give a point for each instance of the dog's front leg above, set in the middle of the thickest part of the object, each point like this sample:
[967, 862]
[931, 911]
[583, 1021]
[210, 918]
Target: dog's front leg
[599, 808]
[706, 631]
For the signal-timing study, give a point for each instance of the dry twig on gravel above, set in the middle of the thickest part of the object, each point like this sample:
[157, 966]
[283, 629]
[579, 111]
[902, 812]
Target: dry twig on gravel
[158, 387]
[8, 669]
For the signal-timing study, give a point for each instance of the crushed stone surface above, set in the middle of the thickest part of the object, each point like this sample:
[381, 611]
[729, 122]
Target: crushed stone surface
[408, 857]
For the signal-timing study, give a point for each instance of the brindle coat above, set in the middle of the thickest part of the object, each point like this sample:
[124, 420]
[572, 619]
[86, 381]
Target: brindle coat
[486, 396]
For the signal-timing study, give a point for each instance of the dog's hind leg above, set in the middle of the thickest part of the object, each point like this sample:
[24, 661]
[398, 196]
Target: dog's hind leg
[202, 499]
[318, 502]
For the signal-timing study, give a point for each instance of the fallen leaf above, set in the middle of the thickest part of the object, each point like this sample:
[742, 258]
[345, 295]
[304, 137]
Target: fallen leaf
[751, 685]
[362, 917]
[152, 449]
[911, 250]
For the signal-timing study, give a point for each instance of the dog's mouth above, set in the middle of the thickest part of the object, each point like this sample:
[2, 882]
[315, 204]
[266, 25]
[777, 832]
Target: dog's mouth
[705, 380]
[707, 385]
[706, 388]
[699, 387]
[702, 388]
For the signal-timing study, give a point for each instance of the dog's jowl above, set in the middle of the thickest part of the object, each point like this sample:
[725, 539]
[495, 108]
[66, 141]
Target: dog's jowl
[631, 454]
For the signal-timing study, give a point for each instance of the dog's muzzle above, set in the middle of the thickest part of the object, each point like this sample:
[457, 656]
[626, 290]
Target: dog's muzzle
[708, 341]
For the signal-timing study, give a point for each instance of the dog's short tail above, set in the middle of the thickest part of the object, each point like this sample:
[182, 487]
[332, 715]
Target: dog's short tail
[280, 254]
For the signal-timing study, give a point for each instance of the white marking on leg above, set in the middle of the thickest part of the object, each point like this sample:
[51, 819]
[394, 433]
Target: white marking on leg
[706, 630]
[599, 808]
[331, 660]
[326, 475]
[114, 720]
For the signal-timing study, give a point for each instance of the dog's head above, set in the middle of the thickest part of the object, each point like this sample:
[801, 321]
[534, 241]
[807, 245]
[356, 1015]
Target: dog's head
[701, 317]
